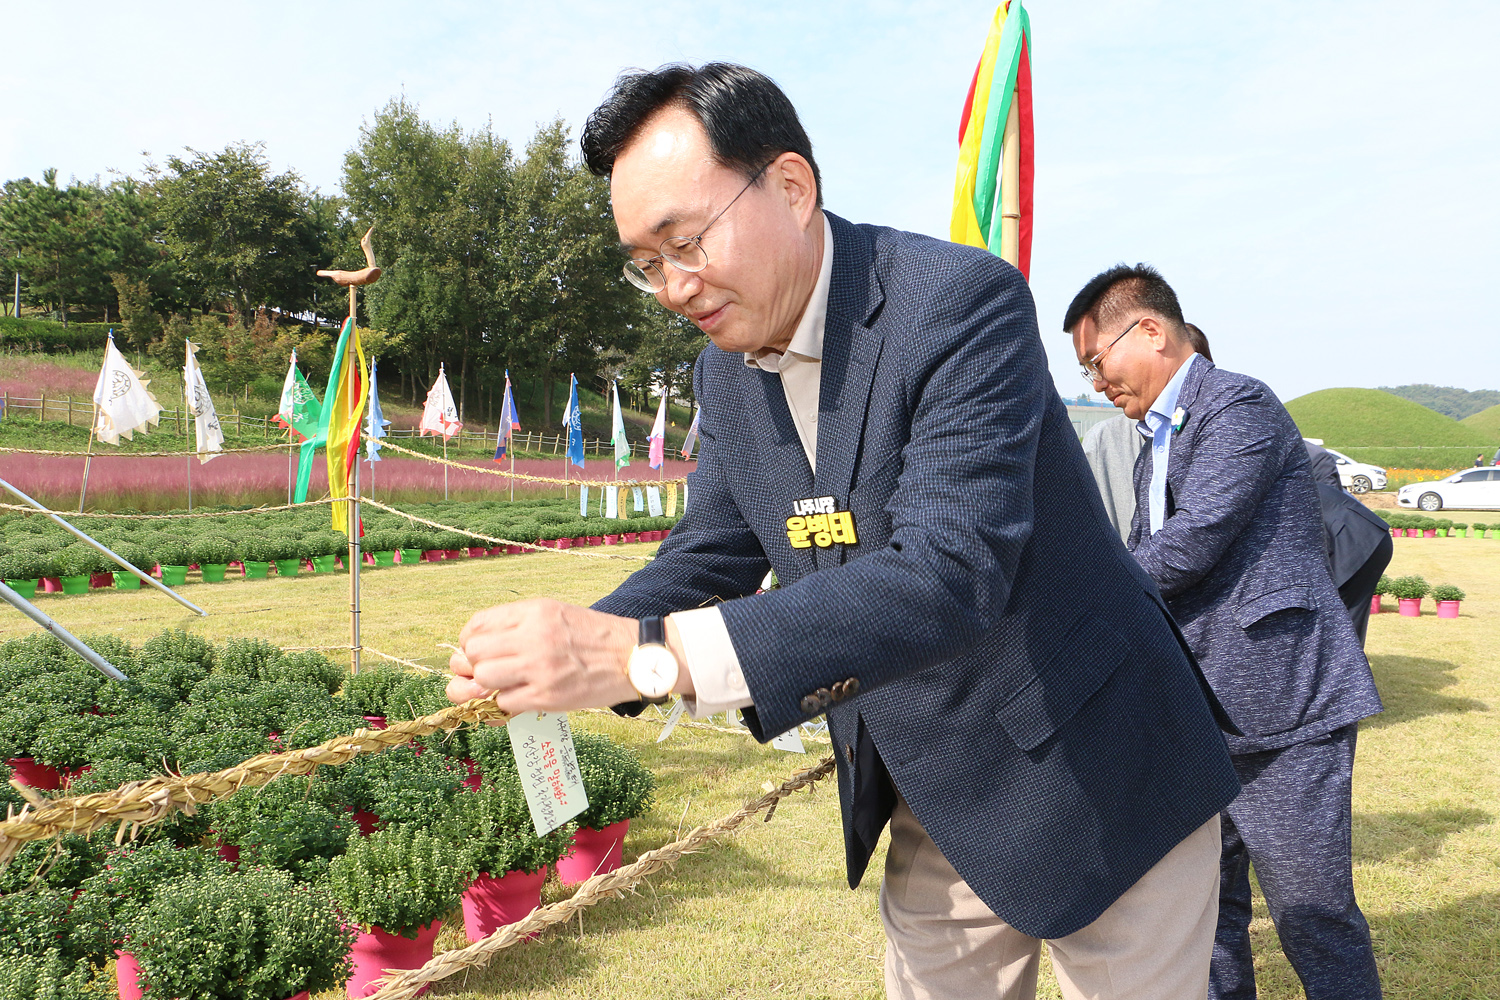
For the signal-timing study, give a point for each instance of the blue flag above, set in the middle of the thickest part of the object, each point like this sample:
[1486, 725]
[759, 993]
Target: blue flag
[377, 425]
[574, 420]
[510, 421]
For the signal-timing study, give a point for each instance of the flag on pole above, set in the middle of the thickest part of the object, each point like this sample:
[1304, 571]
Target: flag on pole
[207, 432]
[440, 415]
[692, 434]
[658, 437]
[343, 405]
[125, 405]
[574, 420]
[510, 421]
[617, 431]
[375, 428]
[1003, 76]
[299, 410]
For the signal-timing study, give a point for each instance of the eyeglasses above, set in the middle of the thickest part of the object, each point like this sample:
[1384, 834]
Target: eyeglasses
[685, 253]
[1090, 371]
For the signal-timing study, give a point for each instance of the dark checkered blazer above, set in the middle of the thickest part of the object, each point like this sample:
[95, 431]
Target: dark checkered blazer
[988, 644]
[1241, 560]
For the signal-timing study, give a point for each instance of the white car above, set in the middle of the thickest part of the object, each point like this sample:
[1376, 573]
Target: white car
[1356, 477]
[1471, 489]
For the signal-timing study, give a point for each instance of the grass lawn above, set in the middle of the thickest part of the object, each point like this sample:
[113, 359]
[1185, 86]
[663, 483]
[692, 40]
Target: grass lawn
[769, 912]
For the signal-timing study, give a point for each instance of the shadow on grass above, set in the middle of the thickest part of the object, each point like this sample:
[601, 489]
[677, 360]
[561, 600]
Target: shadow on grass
[1450, 951]
[1411, 687]
[1411, 836]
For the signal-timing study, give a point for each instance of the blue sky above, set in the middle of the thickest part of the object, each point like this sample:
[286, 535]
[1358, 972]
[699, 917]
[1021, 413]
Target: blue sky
[1315, 179]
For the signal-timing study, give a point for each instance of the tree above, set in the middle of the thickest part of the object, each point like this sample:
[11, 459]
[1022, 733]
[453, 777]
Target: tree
[62, 255]
[241, 234]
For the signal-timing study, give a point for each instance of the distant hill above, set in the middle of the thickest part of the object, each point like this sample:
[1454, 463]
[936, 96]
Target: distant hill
[1365, 418]
[1445, 399]
[1486, 422]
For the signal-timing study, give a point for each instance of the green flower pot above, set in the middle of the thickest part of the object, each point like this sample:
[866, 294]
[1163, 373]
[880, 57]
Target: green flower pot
[26, 588]
[214, 572]
[410, 556]
[257, 570]
[126, 580]
[288, 567]
[174, 576]
[324, 564]
[76, 584]
[385, 558]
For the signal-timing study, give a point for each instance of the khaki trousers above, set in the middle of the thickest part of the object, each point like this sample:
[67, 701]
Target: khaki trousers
[943, 943]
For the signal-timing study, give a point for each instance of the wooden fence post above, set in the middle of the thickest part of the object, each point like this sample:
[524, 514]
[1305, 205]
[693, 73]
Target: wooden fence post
[42, 410]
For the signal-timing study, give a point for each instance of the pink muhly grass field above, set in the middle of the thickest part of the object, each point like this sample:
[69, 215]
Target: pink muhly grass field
[117, 481]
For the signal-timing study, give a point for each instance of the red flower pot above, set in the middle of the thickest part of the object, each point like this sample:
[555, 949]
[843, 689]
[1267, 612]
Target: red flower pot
[376, 721]
[580, 541]
[476, 552]
[366, 821]
[454, 553]
[98, 581]
[433, 555]
[491, 903]
[1411, 607]
[51, 584]
[1413, 533]
[230, 853]
[562, 543]
[596, 539]
[631, 537]
[376, 950]
[513, 550]
[127, 976]
[476, 776]
[594, 853]
[1429, 532]
[28, 772]
[498, 550]
[1448, 609]
[1375, 608]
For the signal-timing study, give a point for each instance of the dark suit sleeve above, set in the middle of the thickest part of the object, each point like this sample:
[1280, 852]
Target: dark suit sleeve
[1239, 452]
[711, 554]
[961, 510]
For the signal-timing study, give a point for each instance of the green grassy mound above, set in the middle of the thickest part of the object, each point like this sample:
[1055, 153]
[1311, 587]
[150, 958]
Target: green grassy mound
[1486, 422]
[1371, 418]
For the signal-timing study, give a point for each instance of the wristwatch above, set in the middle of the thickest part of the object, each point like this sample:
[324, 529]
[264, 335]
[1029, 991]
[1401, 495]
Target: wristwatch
[652, 668]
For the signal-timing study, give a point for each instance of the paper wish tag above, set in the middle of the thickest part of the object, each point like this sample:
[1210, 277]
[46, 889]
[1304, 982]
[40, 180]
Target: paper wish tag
[543, 745]
[790, 742]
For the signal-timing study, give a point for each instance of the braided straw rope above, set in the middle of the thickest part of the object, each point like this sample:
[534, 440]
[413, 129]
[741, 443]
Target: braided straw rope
[386, 443]
[502, 541]
[153, 800]
[406, 985]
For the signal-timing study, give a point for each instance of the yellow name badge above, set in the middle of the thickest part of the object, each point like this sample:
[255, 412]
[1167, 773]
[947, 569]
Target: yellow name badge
[815, 522]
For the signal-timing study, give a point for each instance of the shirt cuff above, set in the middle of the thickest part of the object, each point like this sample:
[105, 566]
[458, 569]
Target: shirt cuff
[711, 663]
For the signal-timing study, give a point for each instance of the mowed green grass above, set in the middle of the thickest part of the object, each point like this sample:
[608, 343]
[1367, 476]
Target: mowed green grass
[1486, 422]
[768, 912]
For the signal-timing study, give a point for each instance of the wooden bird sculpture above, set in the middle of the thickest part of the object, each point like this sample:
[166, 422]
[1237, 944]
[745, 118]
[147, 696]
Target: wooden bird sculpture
[364, 276]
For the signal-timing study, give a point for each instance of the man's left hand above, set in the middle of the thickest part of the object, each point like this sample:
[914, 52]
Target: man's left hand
[541, 655]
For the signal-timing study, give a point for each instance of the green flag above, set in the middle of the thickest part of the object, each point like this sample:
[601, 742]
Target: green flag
[299, 409]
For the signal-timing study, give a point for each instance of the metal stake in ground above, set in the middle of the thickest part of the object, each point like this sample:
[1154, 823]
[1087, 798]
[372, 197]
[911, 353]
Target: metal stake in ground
[352, 280]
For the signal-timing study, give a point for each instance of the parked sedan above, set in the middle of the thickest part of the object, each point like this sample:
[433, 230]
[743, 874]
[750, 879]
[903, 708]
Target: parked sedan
[1472, 489]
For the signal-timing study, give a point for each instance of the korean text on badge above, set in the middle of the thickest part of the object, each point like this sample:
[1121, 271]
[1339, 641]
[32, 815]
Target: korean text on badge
[543, 746]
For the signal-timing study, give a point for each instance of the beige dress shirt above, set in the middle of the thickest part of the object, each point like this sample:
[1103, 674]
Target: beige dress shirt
[711, 659]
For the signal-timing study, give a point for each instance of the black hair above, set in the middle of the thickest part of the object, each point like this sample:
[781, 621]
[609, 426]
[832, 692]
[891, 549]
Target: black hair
[748, 120]
[1111, 293]
[1199, 340]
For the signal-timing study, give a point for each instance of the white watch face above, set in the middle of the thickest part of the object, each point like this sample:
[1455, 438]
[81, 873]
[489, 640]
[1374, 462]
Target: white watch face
[653, 670]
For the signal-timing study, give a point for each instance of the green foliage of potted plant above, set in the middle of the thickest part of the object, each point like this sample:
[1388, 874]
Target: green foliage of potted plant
[368, 690]
[22, 568]
[292, 824]
[63, 864]
[383, 545]
[78, 563]
[1447, 598]
[397, 884]
[1409, 591]
[51, 975]
[399, 785]
[323, 547]
[67, 741]
[1382, 587]
[287, 552]
[136, 555]
[40, 920]
[258, 552]
[1444, 527]
[174, 556]
[500, 843]
[1480, 529]
[213, 554]
[413, 544]
[619, 788]
[250, 935]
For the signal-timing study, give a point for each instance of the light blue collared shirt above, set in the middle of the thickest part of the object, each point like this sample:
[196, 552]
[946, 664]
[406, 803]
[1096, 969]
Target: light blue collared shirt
[1157, 428]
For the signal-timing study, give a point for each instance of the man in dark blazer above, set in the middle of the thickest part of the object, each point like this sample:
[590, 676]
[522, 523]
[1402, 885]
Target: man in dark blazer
[1358, 543]
[1227, 524]
[1002, 682]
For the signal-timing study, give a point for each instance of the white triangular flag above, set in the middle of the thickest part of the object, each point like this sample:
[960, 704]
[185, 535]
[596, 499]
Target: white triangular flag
[440, 415]
[209, 435]
[124, 404]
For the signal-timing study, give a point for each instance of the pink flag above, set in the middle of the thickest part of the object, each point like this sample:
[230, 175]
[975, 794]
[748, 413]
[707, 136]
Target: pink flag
[658, 436]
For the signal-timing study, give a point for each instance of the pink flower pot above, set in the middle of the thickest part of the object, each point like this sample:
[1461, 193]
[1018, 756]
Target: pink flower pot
[454, 553]
[433, 555]
[1396, 532]
[513, 550]
[127, 976]
[491, 903]
[596, 539]
[498, 550]
[1375, 608]
[366, 820]
[1448, 609]
[475, 777]
[376, 721]
[631, 537]
[580, 541]
[33, 775]
[594, 853]
[476, 552]
[562, 543]
[230, 853]
[51, 584]
[1413, 533]
[1429, 532]
[1411, 607]
[376, 950]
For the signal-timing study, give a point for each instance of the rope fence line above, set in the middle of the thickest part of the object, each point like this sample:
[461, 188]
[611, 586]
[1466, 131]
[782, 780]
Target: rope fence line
[27, 509]
[501, 541]
[153, 454]
[406, 985]
[387, 443]
[144, 803]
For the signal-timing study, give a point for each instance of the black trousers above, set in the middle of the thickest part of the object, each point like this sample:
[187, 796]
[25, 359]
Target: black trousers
[1291, 821]
[1360, 588]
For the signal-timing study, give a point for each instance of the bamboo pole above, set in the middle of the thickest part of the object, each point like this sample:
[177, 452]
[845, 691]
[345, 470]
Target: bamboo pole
[1010, 184]
[88, 459]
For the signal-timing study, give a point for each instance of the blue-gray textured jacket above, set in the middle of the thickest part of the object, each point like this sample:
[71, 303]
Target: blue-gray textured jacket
[1241, 561]
[988, 643]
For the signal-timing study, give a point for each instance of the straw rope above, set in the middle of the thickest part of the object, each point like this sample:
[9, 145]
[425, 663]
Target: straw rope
[406, 985]
[28, 509]
[502, 541]
[504, 474]
[144, 803]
